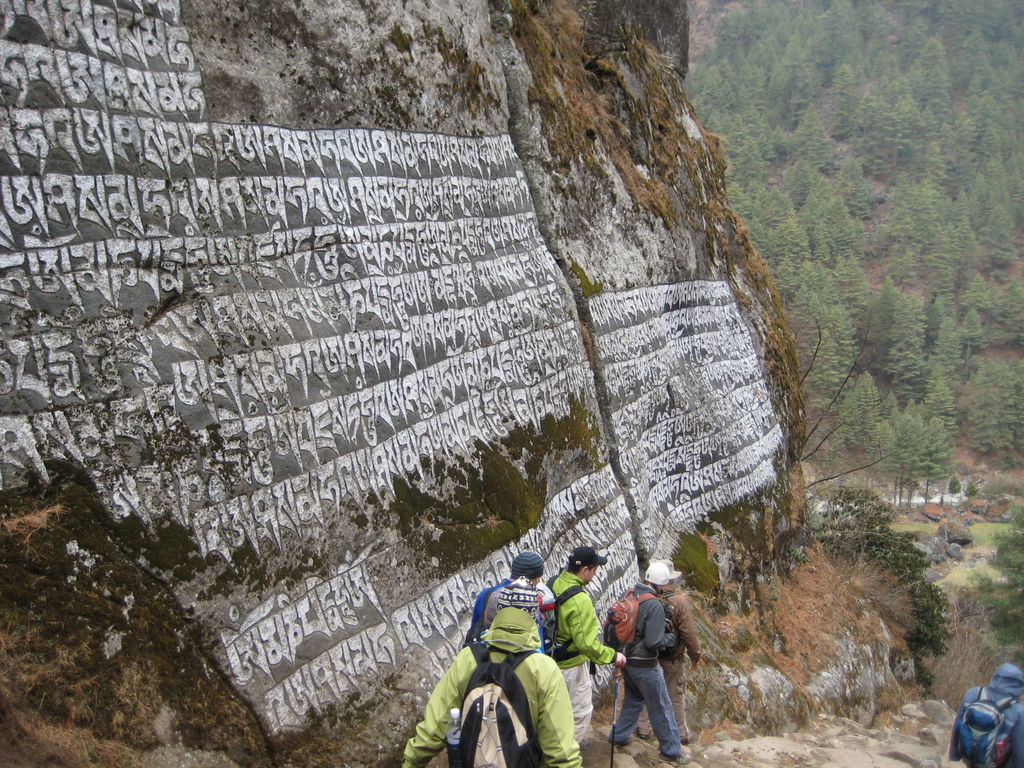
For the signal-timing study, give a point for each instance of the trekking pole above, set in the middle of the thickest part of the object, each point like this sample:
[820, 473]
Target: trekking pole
[616, 676]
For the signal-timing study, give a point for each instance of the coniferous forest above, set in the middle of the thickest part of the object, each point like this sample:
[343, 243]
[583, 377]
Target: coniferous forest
[876, 153]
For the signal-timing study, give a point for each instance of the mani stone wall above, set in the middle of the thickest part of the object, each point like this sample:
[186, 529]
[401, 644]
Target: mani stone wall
[328, 381]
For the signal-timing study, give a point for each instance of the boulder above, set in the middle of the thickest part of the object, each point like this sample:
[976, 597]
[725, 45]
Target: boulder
[938, 711]
[954, 533]
[912, 710]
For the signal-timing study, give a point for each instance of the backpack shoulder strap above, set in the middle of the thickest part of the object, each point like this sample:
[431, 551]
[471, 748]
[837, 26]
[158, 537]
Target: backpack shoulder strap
[644, 596]
[515, 659]
[572, 591]
[481, 652]
[560, 651]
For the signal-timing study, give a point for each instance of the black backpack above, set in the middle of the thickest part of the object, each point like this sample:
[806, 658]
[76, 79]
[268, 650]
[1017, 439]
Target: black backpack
[497, 731]
[561, 651]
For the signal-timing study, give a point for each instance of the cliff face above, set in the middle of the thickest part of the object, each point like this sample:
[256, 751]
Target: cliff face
[339, 308]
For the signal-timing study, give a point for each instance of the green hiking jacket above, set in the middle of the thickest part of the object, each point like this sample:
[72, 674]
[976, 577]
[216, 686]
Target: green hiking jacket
[512, 630]
[577, 620]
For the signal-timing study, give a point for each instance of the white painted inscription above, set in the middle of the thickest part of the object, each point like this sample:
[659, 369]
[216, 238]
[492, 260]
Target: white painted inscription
[695, 427]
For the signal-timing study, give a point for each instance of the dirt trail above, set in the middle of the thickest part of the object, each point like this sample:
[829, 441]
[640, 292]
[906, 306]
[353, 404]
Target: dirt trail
[916, 736]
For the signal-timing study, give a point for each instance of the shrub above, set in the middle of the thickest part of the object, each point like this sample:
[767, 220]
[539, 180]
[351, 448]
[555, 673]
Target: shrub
[855, 525]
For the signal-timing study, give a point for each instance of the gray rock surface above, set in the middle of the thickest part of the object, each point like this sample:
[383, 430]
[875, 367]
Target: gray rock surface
[827, 743]
[180, 757]
[337, 321]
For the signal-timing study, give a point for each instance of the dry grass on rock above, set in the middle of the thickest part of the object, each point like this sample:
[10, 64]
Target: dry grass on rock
[971, 655]
[24, 526]
[823, 599]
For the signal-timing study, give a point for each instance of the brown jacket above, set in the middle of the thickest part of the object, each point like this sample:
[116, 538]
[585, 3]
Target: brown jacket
[680, 617]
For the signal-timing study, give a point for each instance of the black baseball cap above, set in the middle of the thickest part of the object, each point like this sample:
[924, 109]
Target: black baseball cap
[586, 556]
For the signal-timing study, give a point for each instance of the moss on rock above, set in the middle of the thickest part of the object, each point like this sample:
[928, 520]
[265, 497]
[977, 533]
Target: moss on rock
[94, 642]
[588, 286]
[478, 505]
[695, 563]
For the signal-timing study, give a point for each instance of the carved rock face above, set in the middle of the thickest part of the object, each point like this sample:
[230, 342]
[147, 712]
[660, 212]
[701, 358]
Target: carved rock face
[328, 381]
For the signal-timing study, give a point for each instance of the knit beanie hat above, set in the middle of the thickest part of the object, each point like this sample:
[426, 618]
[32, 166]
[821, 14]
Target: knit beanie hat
[528, 564]
[519, 594]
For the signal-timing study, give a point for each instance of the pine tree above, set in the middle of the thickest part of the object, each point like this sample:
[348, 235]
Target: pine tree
[946, 358]
[852, 284]
[965, 247]
[906, 451]
[929, 79]
[978, 295]
[973, 333]
[836, 38]
[987, 401]
[1015, 404]
[932, 172]
[939, 402]
[869, 137]
[828, 329]
[861, 413]
[787, 250]
[746, 164]
[844, 115]
[913, 228]
[883, 313]
[810, 137]
[855, 190]
[938, 452]
[799, 180]
[900, 123]
[1008, 316]
[830, 230]
[905, 362]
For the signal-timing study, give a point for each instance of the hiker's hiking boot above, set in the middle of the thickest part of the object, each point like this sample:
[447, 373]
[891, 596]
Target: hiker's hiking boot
[681, 759]
[645, 735]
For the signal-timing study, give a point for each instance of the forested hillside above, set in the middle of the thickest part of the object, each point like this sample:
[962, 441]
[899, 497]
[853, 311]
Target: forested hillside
[876, 153]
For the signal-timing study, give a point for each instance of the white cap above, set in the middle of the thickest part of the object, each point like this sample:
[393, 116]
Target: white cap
[660, 572]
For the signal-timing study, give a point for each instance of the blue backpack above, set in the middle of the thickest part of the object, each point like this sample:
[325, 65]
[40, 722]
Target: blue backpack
[983, 733]
[476, 623]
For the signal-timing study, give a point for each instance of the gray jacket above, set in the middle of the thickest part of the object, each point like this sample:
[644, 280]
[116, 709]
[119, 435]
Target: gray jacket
[650, 630]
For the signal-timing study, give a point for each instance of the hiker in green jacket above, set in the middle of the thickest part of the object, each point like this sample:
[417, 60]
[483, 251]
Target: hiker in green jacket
[513, 630]
[578, 638]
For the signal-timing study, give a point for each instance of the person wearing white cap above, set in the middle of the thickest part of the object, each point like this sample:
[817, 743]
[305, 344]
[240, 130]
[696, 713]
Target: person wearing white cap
[673, 664]
[643, 676]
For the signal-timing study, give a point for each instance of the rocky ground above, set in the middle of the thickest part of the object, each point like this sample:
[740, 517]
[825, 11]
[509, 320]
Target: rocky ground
[916, 736]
